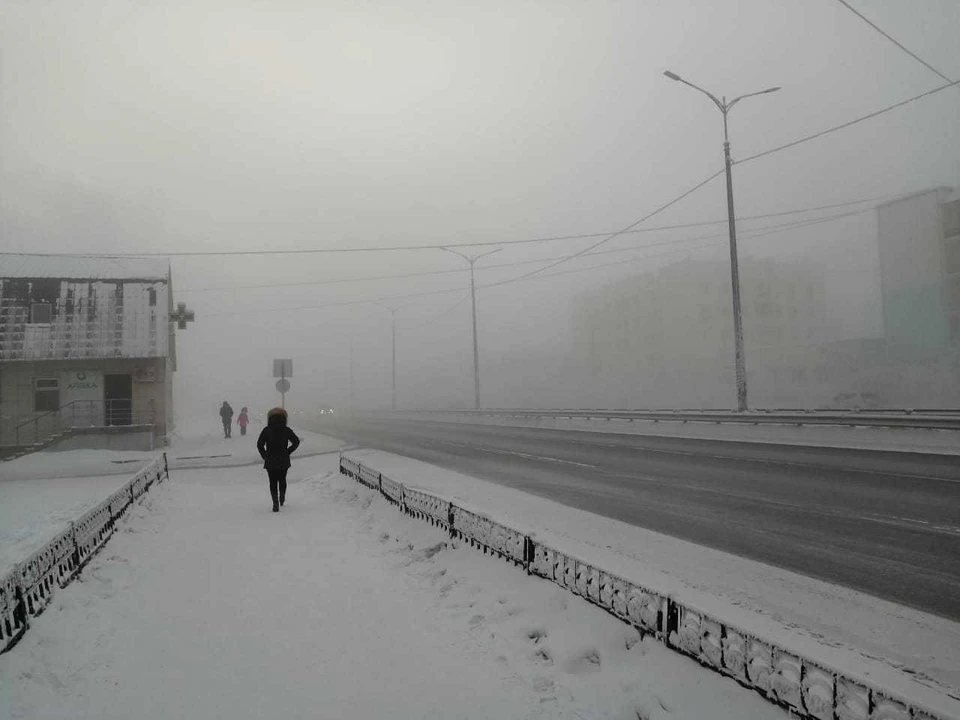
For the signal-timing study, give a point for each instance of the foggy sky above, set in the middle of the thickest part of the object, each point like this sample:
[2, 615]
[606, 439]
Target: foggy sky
[166, 127]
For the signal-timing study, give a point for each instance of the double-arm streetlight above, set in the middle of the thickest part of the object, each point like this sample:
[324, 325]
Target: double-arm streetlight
[473, 300]
[725, 108]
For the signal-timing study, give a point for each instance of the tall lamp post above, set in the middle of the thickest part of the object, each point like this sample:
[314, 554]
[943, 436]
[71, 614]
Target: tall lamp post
[740, 363]
[393, 396]
[473, 300]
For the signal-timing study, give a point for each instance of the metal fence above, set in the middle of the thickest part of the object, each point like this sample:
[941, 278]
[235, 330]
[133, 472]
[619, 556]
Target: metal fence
[26, 590]
[929, 419]
[806, 687]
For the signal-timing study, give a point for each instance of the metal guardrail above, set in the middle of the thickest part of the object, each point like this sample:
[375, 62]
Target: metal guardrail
[805, 686]
[26, 590]
[916, 419]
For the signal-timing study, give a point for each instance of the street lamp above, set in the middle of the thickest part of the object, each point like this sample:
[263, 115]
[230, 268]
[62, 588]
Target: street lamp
[473, 300]
[740, 363]
[393, 395]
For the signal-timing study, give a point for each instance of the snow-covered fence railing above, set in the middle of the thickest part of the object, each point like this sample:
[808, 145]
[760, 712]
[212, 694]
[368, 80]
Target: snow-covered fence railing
[809, 688]
[26, 590]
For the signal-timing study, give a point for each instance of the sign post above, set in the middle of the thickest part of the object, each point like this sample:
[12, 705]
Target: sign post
[283, 368]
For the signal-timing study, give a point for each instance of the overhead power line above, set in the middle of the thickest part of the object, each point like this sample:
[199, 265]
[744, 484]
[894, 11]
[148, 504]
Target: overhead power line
[429, 273]
[896, 42]
[612, 235]
[714, 240]
[887, 109]
[481, 243]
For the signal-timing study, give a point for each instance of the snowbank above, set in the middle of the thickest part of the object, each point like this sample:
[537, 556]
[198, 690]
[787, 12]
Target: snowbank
[906, 652]
[209, 605]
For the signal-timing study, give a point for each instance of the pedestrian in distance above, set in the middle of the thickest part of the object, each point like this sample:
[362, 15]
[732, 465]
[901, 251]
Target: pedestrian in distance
[226, 415]
[243, 421]
[275, 444]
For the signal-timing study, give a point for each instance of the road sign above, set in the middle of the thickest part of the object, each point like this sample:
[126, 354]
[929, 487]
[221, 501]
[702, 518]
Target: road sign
[283, 386]
[283, 368]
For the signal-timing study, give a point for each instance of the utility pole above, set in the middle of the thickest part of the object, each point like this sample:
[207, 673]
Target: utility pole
[739, 359]
[393, 402]
[473, 302]
[351, 373]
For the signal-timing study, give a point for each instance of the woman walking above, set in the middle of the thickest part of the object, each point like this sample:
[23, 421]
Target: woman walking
[275, 444]
[243, 420]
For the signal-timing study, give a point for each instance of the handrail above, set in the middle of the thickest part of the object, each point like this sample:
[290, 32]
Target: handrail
[111, 408]
[919, 419]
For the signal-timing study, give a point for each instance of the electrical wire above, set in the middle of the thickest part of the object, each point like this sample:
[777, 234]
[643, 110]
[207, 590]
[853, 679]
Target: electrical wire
[435, 318]
[779, 148]
[704, 223]
[894, 40]
[483, 243]
[750, 234]
[612, 235]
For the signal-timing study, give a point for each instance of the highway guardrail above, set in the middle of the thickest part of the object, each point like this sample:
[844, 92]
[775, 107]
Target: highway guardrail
[916, 419]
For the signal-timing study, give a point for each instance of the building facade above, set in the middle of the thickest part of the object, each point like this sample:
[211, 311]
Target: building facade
[84, 343]
[918, 238]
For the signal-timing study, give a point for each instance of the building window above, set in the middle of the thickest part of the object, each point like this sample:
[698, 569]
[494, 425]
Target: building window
[40, 313]
[46, 394]
[152, 295]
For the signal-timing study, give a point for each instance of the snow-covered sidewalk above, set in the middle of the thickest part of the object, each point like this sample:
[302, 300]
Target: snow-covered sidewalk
[41, 493]
[206, 604]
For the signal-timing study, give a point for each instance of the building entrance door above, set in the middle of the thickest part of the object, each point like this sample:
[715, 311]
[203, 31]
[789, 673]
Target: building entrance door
[118, 399]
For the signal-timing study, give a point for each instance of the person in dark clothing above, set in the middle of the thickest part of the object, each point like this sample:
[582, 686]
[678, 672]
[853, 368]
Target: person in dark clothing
[226, 414]
[275, 444]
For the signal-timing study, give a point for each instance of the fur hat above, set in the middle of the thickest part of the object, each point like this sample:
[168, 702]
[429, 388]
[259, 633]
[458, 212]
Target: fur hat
[277, 411]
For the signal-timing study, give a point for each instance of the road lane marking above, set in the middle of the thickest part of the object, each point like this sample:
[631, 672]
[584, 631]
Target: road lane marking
[537, 457]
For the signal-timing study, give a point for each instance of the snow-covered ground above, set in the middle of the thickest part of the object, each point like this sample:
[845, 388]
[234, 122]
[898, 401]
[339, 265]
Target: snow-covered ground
[839, 436]
[207, 605]
[904, 650]
[41, 493]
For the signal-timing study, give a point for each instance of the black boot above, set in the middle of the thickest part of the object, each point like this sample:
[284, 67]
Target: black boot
[276, 507]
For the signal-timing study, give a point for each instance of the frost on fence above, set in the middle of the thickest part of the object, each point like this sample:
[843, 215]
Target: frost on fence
[427, 507]
[46, 569]
[92, 530]
[368, 477]
[13, 621]
[28, 588]
[391, 489]
[807, 688]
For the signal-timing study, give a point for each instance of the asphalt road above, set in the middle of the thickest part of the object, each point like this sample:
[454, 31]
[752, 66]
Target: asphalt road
[885, 523]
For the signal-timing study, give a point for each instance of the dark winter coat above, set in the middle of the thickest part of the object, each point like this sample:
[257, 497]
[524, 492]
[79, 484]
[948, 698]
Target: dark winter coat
[226, 412]
[276, 442]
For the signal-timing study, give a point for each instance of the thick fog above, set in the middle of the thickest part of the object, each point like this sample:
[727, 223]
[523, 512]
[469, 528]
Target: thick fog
[232, 127]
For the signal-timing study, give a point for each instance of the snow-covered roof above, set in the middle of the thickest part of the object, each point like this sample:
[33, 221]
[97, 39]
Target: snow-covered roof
[83, 268]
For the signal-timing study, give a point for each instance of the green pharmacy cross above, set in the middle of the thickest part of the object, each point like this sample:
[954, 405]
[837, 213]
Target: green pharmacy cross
[182, 316]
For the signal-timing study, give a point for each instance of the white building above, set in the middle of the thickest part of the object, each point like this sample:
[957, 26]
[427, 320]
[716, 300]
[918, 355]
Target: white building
[86, 346]
[918, 238]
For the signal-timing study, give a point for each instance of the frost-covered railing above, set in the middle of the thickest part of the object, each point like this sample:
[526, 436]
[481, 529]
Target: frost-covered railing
[806, 687]
[26, 590]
